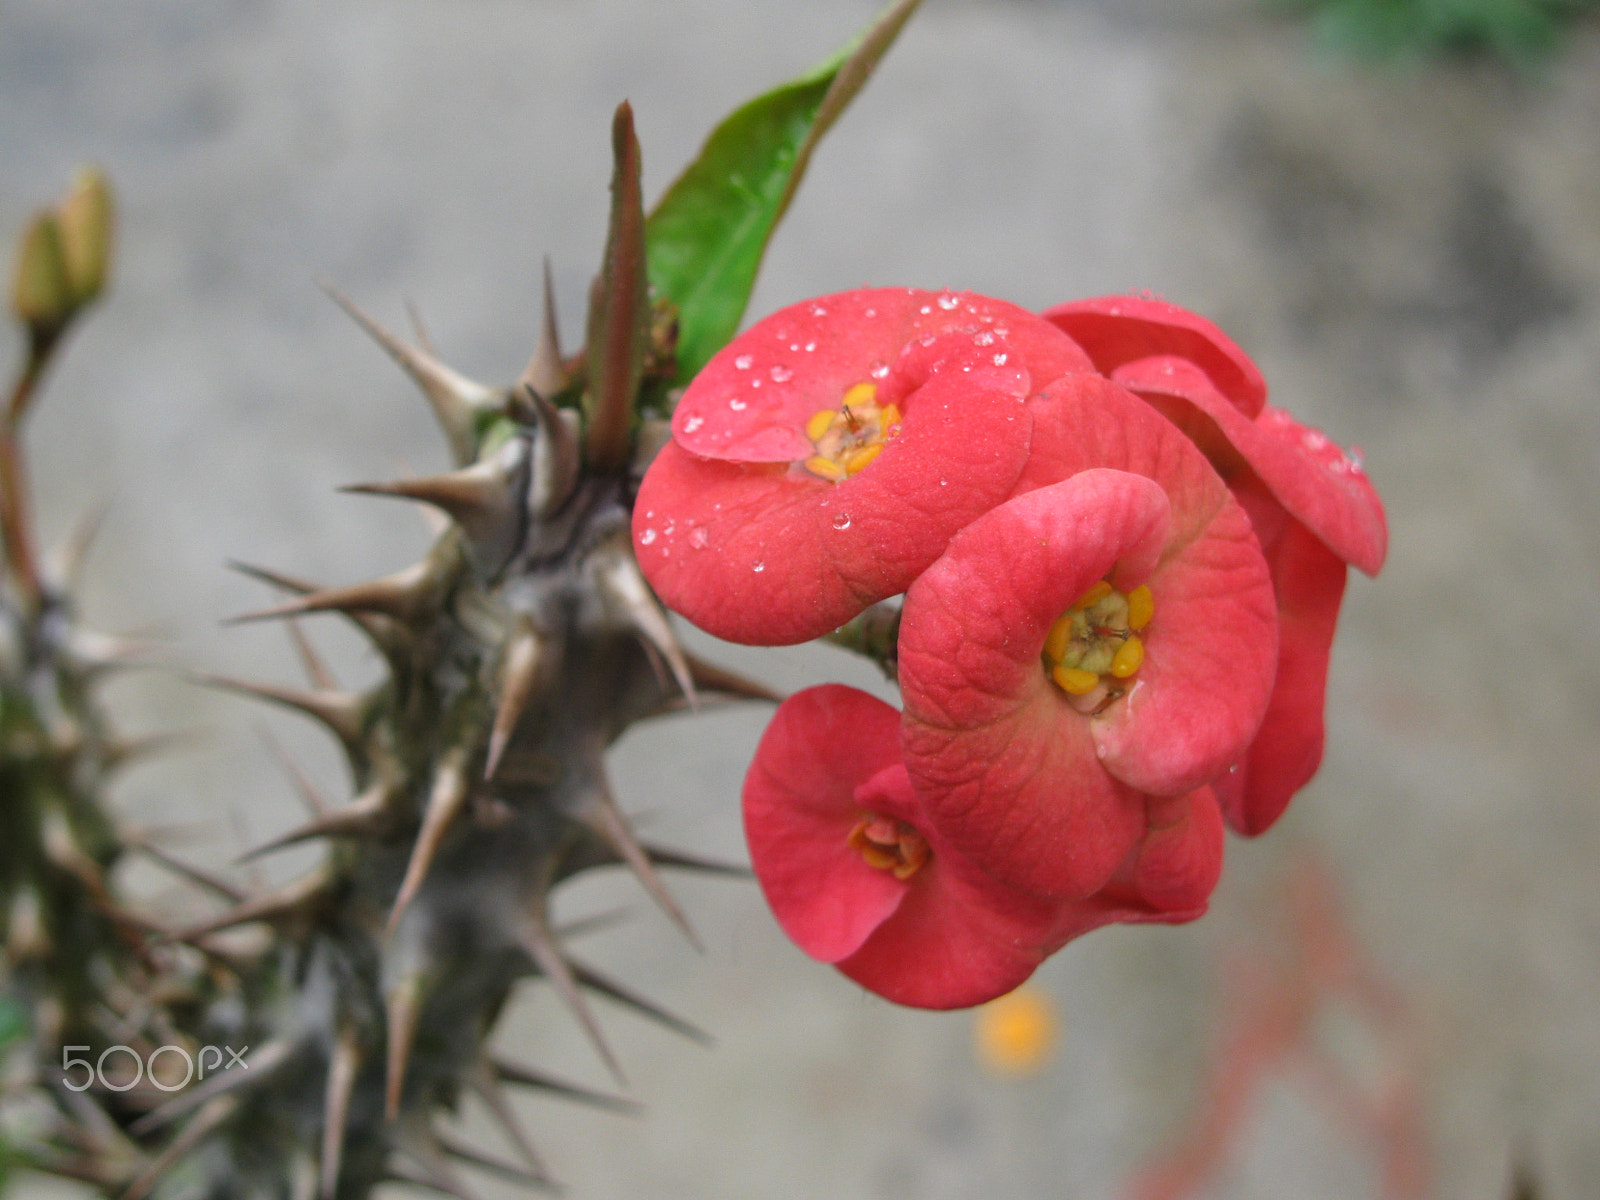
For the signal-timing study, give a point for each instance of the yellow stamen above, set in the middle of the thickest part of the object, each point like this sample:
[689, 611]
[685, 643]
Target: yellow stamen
[1094, 595]
[1141, 607]
[888, 418]
[820, 422]
[857, 459]
[888, 844]
[1128, 658]
[1073, 681]
[1055, 642]
[817, 464]
[860, 395]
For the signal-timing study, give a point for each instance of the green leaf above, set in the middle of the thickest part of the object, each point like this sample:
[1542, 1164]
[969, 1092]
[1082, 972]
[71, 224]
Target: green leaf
[706, 235]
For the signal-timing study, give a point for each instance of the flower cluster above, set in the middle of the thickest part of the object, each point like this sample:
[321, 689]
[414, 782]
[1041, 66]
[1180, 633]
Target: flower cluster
[1120, 569]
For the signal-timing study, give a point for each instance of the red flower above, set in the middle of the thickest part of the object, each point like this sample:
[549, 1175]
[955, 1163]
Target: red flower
[857, 877]
[1313, 508]
[823, 458]
[1107, 636]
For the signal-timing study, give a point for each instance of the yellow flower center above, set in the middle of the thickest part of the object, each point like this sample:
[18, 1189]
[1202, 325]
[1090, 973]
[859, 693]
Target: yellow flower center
[849, 437]
[1093, 648]
[889, 844]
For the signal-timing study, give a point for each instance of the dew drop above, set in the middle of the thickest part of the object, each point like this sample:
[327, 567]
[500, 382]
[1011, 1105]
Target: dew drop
[1000, 360]
[983, 338]
[699, 538]
[810, 346]
[781, 374]
[736, 404]
[948, 302]
[818, 311]
[648, 536]
[841, 521]
[793, 346]
[926, 309]
[878, 370]
[744, 362]
[693, 424]
[1314, 440]
[758, 566]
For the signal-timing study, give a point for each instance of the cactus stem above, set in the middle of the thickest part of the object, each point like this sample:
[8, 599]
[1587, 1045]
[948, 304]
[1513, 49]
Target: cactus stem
[606, 986]
[622, 583]
[213, 1116]
[451, 787]
[600, 813]
[540, 946]
[343, 1067]
[457, 401]
[290, 900]
[520, 1076]
[524, 656]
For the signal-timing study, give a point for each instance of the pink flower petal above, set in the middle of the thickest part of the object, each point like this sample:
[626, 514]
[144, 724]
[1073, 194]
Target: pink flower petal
[770, 554]
[1304, 470]
[1118, 329]
[751, 402]
[1007, 769]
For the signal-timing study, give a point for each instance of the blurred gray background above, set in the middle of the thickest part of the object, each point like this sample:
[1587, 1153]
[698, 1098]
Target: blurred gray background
[1413, 256]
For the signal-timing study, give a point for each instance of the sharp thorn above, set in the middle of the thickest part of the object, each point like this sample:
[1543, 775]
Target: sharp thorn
[545, 373]
[487, 1085]
[404, 1008]
[340, 712]
[316, 669]
[557, 456]
[709, 677]
[316, 804]
[262, 1063]
[606, 986]
[520, 1076]
[663, 857]
[67, 562]
[382, 631]
[621, 580]
[456, 400]
[205, 879]
[525, 654]
[293, 898]
[128, 751]
[607, 820]
[546, 955]
[418, 330]
[343, 1065]
[451, 787]
[402, 596]
[493, 1166]
[368, 815]
[213, 1116]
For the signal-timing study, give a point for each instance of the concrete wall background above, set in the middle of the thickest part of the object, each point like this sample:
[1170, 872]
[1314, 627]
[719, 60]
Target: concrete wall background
[1412, 256]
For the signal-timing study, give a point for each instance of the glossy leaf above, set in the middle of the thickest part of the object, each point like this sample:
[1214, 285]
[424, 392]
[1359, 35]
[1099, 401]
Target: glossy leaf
[707, 234]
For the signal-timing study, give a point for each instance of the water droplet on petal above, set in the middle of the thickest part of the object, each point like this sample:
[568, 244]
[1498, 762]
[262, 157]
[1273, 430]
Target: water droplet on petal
[758, 566]
[736, 404]
[878, 370]
[810, 346]
[983, 338]
[744, 361]
[699, 538]
[948, 302]
[841, 521]
[926, 309]
[1000, 360]
[648, 536]
[781, 374]
[693, 423]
